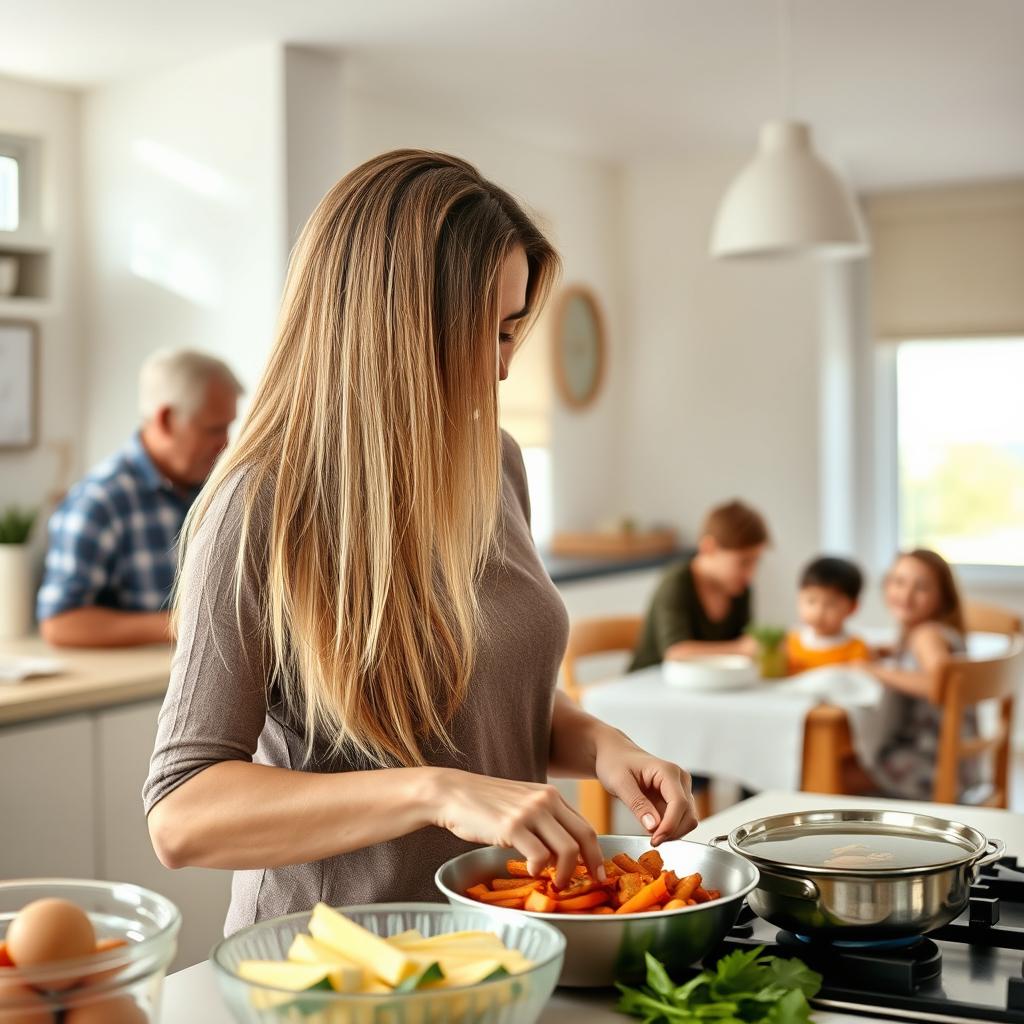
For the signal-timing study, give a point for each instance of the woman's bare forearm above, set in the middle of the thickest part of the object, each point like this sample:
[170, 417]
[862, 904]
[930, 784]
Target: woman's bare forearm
[240, 815]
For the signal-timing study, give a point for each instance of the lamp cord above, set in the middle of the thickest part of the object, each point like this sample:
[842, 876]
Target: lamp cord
[786, 57]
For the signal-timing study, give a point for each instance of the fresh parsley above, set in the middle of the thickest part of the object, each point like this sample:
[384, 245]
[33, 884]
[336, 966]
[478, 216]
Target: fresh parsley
[744, 988]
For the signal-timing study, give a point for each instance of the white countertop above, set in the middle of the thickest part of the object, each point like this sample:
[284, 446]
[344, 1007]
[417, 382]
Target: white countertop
[191, 996]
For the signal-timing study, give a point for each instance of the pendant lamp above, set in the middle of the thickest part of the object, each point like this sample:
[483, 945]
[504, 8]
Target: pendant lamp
[787, 201]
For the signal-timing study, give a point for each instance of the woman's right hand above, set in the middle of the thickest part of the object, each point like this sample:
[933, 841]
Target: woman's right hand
[530, 817]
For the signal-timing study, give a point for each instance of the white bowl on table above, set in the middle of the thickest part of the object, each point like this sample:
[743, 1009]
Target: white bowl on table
[711, 673]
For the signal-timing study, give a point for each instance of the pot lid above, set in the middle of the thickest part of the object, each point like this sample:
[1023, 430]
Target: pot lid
[857, 842]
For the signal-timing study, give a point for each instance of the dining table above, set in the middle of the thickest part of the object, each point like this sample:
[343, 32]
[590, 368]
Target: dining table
[797, 733]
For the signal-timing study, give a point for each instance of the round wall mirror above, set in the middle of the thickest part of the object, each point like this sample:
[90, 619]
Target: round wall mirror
[579, 346]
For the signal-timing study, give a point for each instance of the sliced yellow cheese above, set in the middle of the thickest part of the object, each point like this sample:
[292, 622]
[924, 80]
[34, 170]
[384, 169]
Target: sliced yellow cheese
[410, 935]
[359, 945]
[345, 976]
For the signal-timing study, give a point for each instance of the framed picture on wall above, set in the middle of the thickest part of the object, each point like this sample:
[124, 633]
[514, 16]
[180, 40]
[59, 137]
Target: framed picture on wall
[18, 384]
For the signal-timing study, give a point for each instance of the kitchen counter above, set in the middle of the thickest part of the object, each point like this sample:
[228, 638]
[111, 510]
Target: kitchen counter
[574, 570]
[92, 679]
[192, 995]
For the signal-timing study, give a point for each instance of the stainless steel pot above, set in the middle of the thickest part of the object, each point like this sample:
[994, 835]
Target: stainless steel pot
[601, 950]
[861, 902]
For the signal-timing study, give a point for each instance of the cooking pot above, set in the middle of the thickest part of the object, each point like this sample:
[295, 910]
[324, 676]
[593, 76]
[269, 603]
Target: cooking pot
[861, 874]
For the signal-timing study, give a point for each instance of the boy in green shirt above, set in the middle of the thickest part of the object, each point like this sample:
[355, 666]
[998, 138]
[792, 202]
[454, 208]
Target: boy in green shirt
[702, 606]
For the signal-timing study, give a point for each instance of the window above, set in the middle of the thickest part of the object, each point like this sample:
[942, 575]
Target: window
[960, 438]
[9, 194]
[538, 478]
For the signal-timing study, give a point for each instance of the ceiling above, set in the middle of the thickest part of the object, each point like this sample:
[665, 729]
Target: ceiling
[898, 90]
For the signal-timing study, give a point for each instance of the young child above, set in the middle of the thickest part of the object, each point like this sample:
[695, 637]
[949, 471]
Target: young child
[829, 592]
[702, 606]
[922, 596]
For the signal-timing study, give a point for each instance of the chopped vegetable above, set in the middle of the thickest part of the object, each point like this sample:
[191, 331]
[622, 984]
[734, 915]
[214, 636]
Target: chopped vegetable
[360, 945]
[630, 887]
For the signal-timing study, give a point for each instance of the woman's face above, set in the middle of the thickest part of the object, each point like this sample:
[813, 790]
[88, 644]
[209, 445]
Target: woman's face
[912, 592]
[515, 276]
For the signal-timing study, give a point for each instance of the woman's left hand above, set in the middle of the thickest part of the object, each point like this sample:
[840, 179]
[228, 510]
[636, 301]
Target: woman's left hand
[656, 791]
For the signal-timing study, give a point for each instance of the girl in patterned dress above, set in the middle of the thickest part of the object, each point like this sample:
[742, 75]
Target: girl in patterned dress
[922, 595]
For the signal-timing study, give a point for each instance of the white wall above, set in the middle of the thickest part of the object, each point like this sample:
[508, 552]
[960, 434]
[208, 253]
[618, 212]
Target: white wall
[51, 115]
[575, 198]
[723, 381]
[314, 132]
[184, 223]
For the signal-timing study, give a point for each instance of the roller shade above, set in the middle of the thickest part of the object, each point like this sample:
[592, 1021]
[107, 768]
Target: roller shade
[948, 262]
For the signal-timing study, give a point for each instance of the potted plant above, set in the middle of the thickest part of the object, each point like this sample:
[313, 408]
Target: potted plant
[771, 656]
[15, 572]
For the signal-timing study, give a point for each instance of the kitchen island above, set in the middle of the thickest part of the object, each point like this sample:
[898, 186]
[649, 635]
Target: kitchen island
[192, 995]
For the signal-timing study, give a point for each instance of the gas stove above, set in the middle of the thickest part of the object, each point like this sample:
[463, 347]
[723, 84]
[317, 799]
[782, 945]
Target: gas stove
[973, 969]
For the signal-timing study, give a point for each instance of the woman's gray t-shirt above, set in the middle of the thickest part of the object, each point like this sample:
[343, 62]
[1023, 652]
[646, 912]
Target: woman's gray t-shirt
[222, 705]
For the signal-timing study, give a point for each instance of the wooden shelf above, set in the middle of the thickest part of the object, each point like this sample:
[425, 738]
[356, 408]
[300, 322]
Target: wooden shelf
[636, 544]
[22, 307]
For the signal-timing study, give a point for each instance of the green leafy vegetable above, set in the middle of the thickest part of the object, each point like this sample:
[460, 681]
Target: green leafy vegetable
[744, 988]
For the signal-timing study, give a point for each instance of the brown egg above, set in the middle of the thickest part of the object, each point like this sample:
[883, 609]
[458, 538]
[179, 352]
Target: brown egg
[47, 931]
[116, 1010]
[31, 1006]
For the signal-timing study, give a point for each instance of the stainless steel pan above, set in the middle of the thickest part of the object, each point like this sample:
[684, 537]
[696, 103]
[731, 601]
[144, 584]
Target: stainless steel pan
[861, 903]
[603, 949]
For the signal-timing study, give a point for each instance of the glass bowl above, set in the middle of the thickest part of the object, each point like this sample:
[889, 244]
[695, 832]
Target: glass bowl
[518, 999]
[120, 986]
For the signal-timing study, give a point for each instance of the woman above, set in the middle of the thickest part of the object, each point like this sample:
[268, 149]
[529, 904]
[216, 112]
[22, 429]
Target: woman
[363, 684]
[922, 596]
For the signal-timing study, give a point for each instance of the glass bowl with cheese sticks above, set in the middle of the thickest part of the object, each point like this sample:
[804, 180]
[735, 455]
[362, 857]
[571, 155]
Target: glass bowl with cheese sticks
[677, 902]
[398, 963]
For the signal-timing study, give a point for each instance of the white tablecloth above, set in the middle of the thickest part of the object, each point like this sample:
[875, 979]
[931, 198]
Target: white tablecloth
[754, 736]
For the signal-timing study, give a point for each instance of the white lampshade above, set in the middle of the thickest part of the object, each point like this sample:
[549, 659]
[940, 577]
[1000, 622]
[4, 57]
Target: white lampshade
[788, 202]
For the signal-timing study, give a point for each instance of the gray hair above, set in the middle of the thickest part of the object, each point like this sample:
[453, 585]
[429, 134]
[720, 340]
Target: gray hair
[178, 377]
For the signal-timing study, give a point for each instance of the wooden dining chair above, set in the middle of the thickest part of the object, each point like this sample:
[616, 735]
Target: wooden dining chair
[589, 637]
[990, 618]
[964, 683]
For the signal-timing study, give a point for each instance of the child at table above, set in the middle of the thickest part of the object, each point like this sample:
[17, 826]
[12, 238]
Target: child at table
[829, 591]
[922, 595]
[702, 605]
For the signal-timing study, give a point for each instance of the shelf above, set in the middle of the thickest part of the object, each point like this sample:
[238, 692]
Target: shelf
[24, 308]
[33, 284]
[25, 241]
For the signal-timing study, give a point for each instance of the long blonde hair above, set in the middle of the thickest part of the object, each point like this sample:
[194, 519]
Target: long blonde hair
[375, 428]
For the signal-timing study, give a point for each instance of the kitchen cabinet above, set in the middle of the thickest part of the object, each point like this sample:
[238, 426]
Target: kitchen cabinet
[71, 807]
[124, 743]
[47, 799]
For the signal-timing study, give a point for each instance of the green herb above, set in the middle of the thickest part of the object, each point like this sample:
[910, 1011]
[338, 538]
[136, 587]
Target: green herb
[744, 988]
[16, 524]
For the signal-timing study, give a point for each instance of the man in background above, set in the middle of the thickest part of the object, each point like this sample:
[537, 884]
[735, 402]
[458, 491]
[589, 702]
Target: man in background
[112, 549]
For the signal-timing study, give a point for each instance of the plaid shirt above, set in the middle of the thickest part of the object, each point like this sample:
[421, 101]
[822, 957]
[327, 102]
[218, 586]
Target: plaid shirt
[113, 540]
